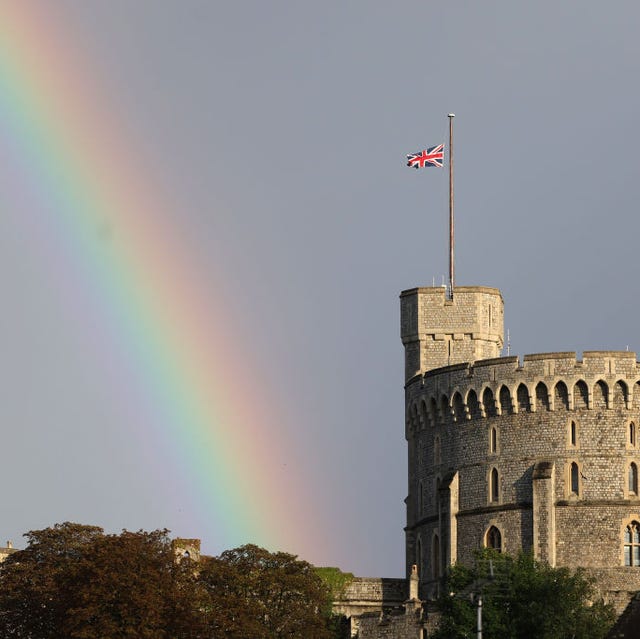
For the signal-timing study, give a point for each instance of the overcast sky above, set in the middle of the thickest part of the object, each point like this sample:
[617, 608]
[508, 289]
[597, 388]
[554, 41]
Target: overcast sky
[277, 133]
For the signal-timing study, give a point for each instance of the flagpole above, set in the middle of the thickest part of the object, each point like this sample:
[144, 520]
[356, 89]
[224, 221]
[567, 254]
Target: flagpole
[451, 242]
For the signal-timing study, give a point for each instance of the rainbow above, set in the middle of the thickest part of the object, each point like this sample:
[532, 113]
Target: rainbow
[80, 172]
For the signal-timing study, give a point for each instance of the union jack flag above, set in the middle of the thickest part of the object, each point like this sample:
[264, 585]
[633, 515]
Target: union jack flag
[429, 157]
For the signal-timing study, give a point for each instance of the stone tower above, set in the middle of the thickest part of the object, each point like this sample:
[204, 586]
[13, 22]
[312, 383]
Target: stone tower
[539, 453]
[439, 331]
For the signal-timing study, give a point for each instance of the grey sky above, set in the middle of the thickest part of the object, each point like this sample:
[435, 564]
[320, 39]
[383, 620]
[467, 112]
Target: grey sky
[279, 130]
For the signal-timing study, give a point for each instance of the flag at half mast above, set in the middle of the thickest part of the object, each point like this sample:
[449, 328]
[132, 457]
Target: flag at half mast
[432, 156]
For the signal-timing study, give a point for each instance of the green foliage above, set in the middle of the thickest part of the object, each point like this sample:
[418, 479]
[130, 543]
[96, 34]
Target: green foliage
[522, 599]
[336, 580]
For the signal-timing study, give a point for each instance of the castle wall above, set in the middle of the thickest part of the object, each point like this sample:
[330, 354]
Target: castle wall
[364, 595]
[495, 440]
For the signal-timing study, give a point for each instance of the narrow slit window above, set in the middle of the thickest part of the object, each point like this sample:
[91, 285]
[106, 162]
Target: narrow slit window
[573, 435]
[493, 440]
[633, 478]
[575, 479]
[494, 492]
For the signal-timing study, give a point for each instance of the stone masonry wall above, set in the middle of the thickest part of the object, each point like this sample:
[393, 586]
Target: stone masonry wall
[399, 624]
[439, 331]
[508, 418]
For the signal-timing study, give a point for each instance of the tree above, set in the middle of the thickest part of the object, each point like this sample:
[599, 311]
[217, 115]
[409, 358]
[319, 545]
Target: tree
[133, 586]
[73, 581]
[524, 599]
[255, 593]
[37, 583]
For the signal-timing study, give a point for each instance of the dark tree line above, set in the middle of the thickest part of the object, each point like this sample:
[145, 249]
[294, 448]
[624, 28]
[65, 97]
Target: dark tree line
[75, 582]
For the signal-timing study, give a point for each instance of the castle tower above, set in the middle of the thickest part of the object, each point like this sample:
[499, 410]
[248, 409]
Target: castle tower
[539, 453]
[438, 331]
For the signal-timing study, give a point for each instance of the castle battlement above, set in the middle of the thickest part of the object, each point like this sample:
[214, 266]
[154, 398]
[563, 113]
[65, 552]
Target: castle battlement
[505, 385]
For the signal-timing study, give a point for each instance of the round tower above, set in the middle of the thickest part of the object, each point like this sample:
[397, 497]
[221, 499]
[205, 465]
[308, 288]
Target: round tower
[541, 455]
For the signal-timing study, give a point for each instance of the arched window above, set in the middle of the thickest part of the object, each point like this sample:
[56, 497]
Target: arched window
[574, 478]
[489, 403]
[494, 539]
[561, 396]
[632, 479]
[632, 544]
[458, 408]
[542, 397]
[494, 483]
[522, 396]
[580, 395]
[474, 405]
[505, 400]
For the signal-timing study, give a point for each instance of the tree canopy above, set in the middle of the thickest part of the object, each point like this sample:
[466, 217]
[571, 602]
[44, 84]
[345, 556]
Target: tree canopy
[76, 582]
[522, 599]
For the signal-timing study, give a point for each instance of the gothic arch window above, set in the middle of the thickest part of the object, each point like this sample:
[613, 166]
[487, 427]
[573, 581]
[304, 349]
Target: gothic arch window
[561, 396]
[522, 395]
[505, 400]
[580, 395]
[632, 479]
[542, 397]
[619, 394]
[632, 544]
[458, 408]
[489, 403]
[493, 539]
[494, 486]
[600, 395]
[474, 405]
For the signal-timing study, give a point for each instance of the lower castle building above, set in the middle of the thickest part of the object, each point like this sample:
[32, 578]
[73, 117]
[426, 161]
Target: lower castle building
[540, 454]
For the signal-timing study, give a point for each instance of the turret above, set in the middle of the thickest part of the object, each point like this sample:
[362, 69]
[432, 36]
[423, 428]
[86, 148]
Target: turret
[438, 331]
